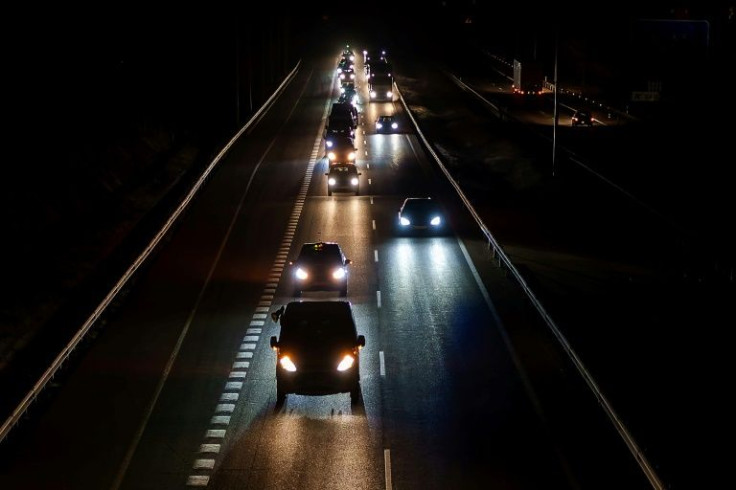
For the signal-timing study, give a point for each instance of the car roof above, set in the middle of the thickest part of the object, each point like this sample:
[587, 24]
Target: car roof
[342, 140]
[317, 320]
[343, 167]
[316, 249]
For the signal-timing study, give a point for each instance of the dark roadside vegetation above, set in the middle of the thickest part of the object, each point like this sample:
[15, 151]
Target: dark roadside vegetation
[112, 122]
[644, 293]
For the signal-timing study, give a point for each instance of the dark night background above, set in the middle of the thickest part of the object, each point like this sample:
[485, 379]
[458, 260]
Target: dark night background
[110, 111]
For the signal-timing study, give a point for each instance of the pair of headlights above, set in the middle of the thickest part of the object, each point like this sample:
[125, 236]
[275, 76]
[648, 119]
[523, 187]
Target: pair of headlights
[345, 363]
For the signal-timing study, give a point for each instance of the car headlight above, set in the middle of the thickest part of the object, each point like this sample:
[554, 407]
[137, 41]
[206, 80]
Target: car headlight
[331, 155]
[346, 363]
[331, 181]
[394, 125]
[379, 125]
[389, 94]
[301, 274]
[373, 94]
[351, 155]
[404, 221]
[435, 221]
[288, 364]
[354, 181]
[338, 273]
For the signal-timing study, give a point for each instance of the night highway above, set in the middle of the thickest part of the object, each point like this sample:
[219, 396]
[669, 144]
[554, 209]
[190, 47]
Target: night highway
[563, 370]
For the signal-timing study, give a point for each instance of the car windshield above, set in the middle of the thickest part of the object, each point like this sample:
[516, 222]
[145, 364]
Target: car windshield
[304, 322]
[325, 253]
[421, 205]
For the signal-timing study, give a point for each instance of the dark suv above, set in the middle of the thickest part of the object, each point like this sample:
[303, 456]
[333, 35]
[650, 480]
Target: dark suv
[318, 350]
[320, 266]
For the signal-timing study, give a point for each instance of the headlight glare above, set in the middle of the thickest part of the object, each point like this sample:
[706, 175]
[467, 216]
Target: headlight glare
[346, 363]
[287, 364]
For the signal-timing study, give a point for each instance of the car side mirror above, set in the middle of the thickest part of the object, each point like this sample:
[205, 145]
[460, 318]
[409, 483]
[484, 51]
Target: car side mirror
[276, 315]
[361, 340]
[360, 173]
[327, 173]
[274, 343]
[348, 261]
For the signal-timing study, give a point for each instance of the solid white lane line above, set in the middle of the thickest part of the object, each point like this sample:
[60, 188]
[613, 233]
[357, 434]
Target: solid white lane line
[387, 466]
[378, 298]
[381, 363]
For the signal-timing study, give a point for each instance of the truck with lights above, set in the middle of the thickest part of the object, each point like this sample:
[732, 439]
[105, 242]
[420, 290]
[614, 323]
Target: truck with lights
[530, 80]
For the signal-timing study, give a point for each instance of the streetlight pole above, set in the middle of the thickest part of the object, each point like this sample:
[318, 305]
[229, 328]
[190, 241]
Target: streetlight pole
[556, 115]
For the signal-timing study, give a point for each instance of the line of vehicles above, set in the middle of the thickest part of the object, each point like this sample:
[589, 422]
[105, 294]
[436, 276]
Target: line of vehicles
[317, 352]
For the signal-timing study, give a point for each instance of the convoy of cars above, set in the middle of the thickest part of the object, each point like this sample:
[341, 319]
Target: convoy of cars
[317, 352]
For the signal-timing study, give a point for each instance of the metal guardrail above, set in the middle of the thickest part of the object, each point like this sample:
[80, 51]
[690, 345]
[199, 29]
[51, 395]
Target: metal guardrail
[49, 374]
[504, 261]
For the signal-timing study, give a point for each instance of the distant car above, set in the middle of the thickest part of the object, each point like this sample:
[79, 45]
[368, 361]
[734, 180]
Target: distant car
[347, 74]
[343, 177]
[320, 266]
[344, 64]
[347, 86]
[340, 149]
[421, 214]
[582, 118]
[336, 129]
[349, 96]
[387, 124]
[318, 350]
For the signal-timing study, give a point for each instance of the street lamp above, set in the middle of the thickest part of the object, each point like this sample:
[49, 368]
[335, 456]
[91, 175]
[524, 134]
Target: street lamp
[556, 115]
